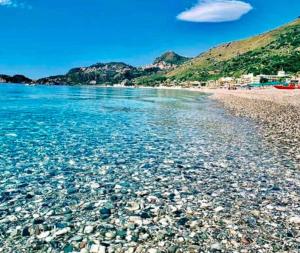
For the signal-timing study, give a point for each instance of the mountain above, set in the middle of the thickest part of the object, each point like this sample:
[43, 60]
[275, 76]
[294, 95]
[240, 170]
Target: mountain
[15, 79]
[100, 73]
[171, 59]
[160, 67]
[266, 53]
[117, 72]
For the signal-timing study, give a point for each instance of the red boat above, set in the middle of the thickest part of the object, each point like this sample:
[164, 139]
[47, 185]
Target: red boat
[291, 86]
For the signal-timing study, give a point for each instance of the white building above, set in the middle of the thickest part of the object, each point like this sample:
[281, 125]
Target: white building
[93, 82]
[246, 79]
[281, 73]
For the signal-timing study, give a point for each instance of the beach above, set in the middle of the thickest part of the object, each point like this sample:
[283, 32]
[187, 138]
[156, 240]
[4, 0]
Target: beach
[104, 170]
[277, 110]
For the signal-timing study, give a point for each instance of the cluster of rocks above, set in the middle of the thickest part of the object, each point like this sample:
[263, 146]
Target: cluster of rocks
[280, 121]
[190, 182]
[209, 207]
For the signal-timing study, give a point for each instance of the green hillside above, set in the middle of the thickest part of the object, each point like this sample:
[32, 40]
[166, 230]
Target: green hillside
[171, 58]
[265, 53]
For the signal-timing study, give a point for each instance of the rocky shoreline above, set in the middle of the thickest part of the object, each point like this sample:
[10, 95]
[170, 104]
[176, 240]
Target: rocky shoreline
[278, 112]
[222, 200]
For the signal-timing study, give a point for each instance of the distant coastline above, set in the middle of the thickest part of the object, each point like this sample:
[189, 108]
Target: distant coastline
[253, 60]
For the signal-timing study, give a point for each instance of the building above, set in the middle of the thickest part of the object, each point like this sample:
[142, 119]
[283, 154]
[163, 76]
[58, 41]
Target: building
[2, 80]
[93, 82]
[295, 79]
[246, 79]
[281, 76]
[281, 73]
[227, 82]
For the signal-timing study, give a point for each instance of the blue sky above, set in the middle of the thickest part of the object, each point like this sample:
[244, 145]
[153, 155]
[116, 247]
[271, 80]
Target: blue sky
[46, 37]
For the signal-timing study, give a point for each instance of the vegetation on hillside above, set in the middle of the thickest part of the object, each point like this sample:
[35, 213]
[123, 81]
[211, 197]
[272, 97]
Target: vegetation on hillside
[263, 54]
[171, 58]
[103, 74]
[151, 80]
[116, 72]
[266, 53]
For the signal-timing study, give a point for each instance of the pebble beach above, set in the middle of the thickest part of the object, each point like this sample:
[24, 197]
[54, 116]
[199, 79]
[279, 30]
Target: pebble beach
[278, 111]
[203, 179]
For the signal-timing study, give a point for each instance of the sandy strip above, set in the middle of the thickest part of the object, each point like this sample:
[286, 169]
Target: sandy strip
[283, 97]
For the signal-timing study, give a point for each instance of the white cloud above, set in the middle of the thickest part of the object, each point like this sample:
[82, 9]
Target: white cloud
[15, 4]
[216, 11]
[6, 2]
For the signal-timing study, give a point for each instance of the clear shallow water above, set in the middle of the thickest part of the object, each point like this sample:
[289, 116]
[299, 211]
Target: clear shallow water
[68, 152]
[50, 126]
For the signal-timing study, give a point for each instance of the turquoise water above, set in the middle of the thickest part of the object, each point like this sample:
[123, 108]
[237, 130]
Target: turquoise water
[68, 152]
[50, 127]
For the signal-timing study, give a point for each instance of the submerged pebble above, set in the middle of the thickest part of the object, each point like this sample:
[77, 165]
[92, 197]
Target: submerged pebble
[141, 171]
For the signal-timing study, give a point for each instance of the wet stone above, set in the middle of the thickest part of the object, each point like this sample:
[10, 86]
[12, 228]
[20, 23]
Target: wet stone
[122, 233]
[105, 213]
[198, 180]
[26, 232]
[68, 249]
[146, 215]
[183, 221]
[38, 221]
[172, 249]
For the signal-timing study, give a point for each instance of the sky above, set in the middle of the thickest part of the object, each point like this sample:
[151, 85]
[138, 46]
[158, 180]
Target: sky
[40, 38]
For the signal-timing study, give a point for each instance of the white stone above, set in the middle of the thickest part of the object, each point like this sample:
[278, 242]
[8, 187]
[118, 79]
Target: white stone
[216, 246]
[95, 185]
[180, 239]
[88, 229]
[103, 170]
[219, 209]
[94, 248]
[164, 222]
[110, 235]
[136, 220]
[118, 187]
[72, 162]
[62, 231]
[12, 218]
[133, 206]
[43, 235]
[130, 250]
[101, 249]
[295, 219]
[152, 250]
[205, 205]
[194, 224]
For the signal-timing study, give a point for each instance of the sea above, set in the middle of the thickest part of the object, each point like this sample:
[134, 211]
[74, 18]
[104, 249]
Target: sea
[111, 169]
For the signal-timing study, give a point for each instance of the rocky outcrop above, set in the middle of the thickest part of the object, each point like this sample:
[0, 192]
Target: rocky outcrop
[169, 60]
[15, 79]
[98, 74]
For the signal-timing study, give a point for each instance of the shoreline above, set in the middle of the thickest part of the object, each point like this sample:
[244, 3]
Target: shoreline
[277, 112]
[166, 179]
